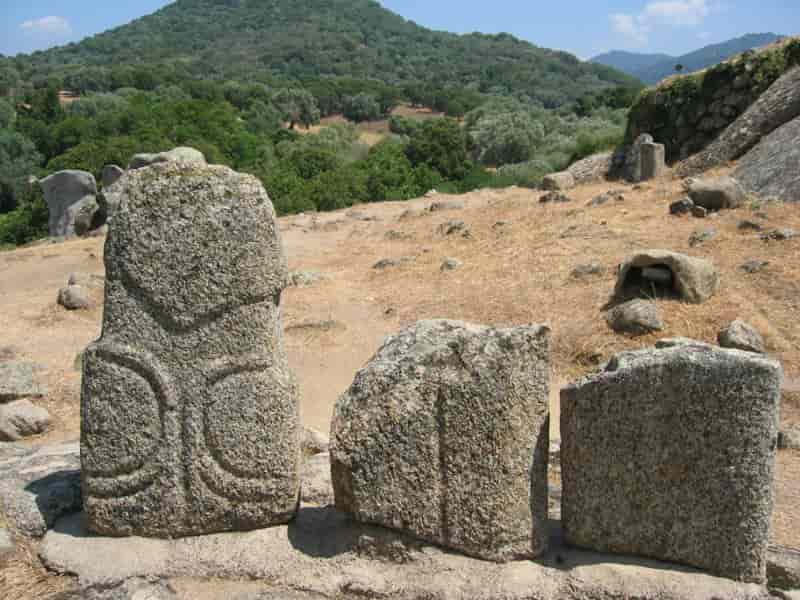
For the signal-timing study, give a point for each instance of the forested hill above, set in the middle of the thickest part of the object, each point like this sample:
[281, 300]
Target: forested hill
[301, 40]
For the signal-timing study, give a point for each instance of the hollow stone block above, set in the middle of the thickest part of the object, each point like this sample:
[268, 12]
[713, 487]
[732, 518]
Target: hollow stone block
[189, 419]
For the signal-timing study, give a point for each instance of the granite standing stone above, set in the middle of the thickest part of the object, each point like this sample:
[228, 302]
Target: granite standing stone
[633, 158]
[444, 435]
[189, 418]
[669, 454]
[653, 161]
[68, 194]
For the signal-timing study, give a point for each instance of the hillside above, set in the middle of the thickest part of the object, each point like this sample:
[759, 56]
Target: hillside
[652, 68]
[311, 39]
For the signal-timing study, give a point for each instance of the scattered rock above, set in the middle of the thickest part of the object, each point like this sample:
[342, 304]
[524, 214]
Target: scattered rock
[189, 410]
[746, 225]
[587, 270]
[454, 226]
[409, 213]
[445, 205]
[7, 547]
[39, 485]
[181, 155]
[653, 474]
[741, 336]
[86, 280]
[501, 224]
[694, 280]
[783, 568]
[67, 194]
[754, 266]
[449, 418]
[699, 212]
[615, 195]
[701, 236]
[20, 419]
[779, 235]
[111, 174]
[386, 263]
[314, 442]
[20, 380]
[451, 264]
[395, 235]
[592, 169]
[74, 297]
[305, 278]
[87, 218]
[637, 317]
[554, 197]
[558, 181]
[789, 439]
[681, 207]
[315, 325]
[716, 194]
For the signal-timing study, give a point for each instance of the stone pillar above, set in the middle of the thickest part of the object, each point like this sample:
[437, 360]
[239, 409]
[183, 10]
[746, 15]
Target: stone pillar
[189, 418]
[653, 162]
[444, 435]
[669, 454]
[69, 195]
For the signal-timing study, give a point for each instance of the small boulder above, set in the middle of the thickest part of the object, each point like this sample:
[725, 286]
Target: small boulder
[313, 442]
[445, 205]
[615, 195]
[305, 278]
[86, 280]
[754, 266]
[111, 174]
[716, 194]
[681, 207]
[637, 317]
[587, 270]
[741, 336]
[698, 212]
[701, 236]
[779, 235]
[454, 226]
[558, 181]
[554, 197]
[783, 569]
[789, 439]
[74, 297]
[180, 154]
[451, 264]
[20, 380]
[386, 263]
[21, 419]
[747, 225]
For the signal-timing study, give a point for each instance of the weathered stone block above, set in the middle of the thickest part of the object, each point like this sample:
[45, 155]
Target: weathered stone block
[189, 420]
[694, 280]
[558, 181]
[669, 454]
[444, 435]
[653, 161]
[69, 194]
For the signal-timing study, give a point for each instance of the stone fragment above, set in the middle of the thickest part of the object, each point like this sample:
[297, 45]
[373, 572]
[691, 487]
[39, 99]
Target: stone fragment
[305, 278]
[558, 181]
[587, 270]
[701, 236]
[789, 439]
[86, 280]
[451, 264]
[74, 297]
[554, 197]
[21, 419]
[747, 225]
[393, 235]
[779, 235]
[445, 205]
[314, 442]
[716, 194]
[592, 169]
[637, 317]
[741, 336]
[783, 568]
[444, 435]
[189, 417]
[67, 193]
[754, 266]
[181, 154]
[386, 263]
[647, 462]
[453, 226]
[599, 200]
[39, 485]
[653, 161]
[20, 380]
[698, 212]
[316, 476]
[681, 207]
[111, 174]
[694, 280]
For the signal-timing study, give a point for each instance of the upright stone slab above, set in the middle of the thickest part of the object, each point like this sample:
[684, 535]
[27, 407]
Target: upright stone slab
[444, 435]
[633, 158]
[69, 194]
[669, 454]
[653, 161]
[189, 420]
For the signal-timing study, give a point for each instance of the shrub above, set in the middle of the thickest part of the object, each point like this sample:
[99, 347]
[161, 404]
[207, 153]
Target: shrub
[441, 145]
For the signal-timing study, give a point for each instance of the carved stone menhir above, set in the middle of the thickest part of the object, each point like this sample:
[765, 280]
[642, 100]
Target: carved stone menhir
[444, 435]
[669, 453]
[189, 419]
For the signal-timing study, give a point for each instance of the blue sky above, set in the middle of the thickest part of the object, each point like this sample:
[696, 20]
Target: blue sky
[585, 27]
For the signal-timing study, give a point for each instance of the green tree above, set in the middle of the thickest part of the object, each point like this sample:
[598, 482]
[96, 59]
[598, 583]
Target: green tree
[442, 145]
[362, 107]
[297, 106]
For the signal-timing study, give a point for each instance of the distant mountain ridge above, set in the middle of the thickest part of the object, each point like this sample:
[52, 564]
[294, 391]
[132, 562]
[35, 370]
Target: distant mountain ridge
[652, 68]
[297, 40]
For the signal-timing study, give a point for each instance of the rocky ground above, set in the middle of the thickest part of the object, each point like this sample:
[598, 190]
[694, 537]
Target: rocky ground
[495, 257]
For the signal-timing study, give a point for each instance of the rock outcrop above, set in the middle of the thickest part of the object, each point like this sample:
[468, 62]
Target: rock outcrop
[561, 181]
[637, 317]
[70, 195]
[189, 421]
[772, 168]
[592, 169]
[716, 194]
[444, 435]
[181, 154]
[775, 107]
[21, 419]
[669, 453]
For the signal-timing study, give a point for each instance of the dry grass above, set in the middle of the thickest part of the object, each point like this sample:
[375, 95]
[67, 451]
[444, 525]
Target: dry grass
[23, 577]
